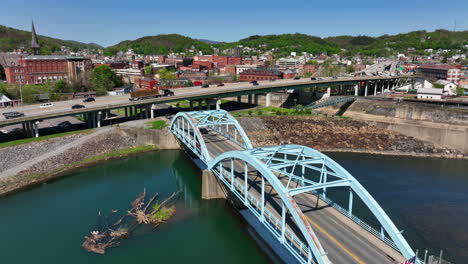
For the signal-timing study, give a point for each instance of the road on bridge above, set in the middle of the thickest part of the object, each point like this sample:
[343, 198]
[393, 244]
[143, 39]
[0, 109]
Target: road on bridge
[63, 108]
[343, 244]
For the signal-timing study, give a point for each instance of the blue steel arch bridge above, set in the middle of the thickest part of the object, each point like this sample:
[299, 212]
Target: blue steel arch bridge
[285, 187]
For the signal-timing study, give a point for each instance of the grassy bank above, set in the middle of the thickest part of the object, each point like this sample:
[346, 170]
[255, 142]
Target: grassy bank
[158, 124]
[29, 140]
[274, 111]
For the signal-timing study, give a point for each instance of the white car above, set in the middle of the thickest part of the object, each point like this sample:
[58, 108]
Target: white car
[46, 105]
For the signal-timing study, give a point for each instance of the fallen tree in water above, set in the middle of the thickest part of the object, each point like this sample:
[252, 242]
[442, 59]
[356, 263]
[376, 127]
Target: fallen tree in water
[151, 212]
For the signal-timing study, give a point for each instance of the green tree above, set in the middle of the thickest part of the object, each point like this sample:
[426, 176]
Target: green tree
[460, 91]
[350, 68]
[312, 62]
[166, 76]
[104, 79]
[148, 70]
[188, 83]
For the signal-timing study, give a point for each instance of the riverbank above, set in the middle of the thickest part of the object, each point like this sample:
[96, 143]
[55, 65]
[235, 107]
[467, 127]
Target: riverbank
[40, 161]
[335, 134]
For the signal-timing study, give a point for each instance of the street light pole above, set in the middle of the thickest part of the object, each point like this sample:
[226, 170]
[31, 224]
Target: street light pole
[21, 91]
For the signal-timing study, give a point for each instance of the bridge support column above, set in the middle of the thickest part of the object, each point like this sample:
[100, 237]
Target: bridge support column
[356, 90]
[98, 119]
[212, 188]
[153, 107]
[256, 99]
[366, 88]
[268, 99]
[191, 105]
[239, 99]
[200, 105]
[218, 104]
[375, 90]
[250, 99]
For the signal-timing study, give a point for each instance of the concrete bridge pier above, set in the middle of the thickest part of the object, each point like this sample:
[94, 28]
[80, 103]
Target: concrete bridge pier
[153, 107]
[375, 90]
[268, 99]
[200, 105]
[250, 99]
[256, 99]
[211, 187]
[356, 90]
[191, 105]
[218, 104]
[239, 99]
[98, 119]
[366, 87]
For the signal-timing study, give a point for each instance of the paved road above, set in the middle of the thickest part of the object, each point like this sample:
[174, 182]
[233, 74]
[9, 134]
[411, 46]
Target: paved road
[105, 102]
[343, 244]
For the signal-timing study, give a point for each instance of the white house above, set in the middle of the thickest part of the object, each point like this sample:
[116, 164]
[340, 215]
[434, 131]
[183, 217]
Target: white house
[450, 89]
[430, 93]
[4, 100]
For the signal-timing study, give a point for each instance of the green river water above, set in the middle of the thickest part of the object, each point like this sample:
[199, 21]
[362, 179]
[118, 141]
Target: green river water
[427, 198]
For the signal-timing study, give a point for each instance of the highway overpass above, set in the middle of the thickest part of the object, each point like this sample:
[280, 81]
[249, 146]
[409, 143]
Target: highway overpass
[96, 111]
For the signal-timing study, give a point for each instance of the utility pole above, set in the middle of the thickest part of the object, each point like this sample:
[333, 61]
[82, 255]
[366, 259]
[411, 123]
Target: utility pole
[21, 91]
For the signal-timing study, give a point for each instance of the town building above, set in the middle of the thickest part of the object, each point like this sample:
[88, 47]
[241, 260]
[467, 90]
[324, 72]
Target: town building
[264, 74]
[144, 83]
[221, 61]
[441, 72]
[36, 69]
[430, 93]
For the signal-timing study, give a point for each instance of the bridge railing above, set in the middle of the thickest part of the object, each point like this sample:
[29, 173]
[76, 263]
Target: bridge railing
[291, 242]
[357, 220]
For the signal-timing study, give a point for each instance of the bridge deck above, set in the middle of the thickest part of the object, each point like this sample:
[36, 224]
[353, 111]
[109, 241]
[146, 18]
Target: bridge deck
[344, 243]
[63, 108]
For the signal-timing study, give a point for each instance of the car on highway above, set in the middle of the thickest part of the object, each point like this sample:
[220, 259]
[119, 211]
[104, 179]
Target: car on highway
[254, 82]
[205, 86]
[13, 114]
[313, 79]
[297, 78]
[319, 79]
[334, 77]
[272, 80]
[46, 105]
[77, 106]
[65, 125]
[89, 99]
[221, 84]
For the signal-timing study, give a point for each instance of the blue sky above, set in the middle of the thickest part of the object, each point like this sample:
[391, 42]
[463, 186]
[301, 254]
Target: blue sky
[108, 22]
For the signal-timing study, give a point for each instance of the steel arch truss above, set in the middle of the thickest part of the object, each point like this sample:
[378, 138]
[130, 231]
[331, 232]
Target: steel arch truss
[186, 126]
[292, 170]
[224, 124]
[186, 129]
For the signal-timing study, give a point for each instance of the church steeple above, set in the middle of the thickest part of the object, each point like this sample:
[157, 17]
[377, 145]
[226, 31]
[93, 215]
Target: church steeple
[34, 42]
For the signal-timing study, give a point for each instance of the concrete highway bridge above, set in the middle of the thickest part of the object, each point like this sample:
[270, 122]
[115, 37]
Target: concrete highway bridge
[285, 189]
[95, 112]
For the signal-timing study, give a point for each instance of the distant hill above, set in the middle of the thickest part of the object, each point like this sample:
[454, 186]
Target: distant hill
[375, 46]
[210, 41]
[160, 44]
[11, 39]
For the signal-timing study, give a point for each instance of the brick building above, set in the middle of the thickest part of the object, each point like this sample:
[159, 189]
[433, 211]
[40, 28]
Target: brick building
[222, 61]
[441, 72]
[37, 69]
[40, 69]
[144, 83]
[260, 75]
[202, 65]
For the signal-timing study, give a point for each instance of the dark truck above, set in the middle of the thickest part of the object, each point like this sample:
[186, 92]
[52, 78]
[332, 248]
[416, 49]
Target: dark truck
[149, 94]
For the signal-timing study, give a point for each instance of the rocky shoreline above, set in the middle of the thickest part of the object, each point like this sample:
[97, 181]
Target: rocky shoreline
[37, 162]
[332, 134]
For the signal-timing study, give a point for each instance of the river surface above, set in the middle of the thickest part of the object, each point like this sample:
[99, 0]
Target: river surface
[427, 198]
